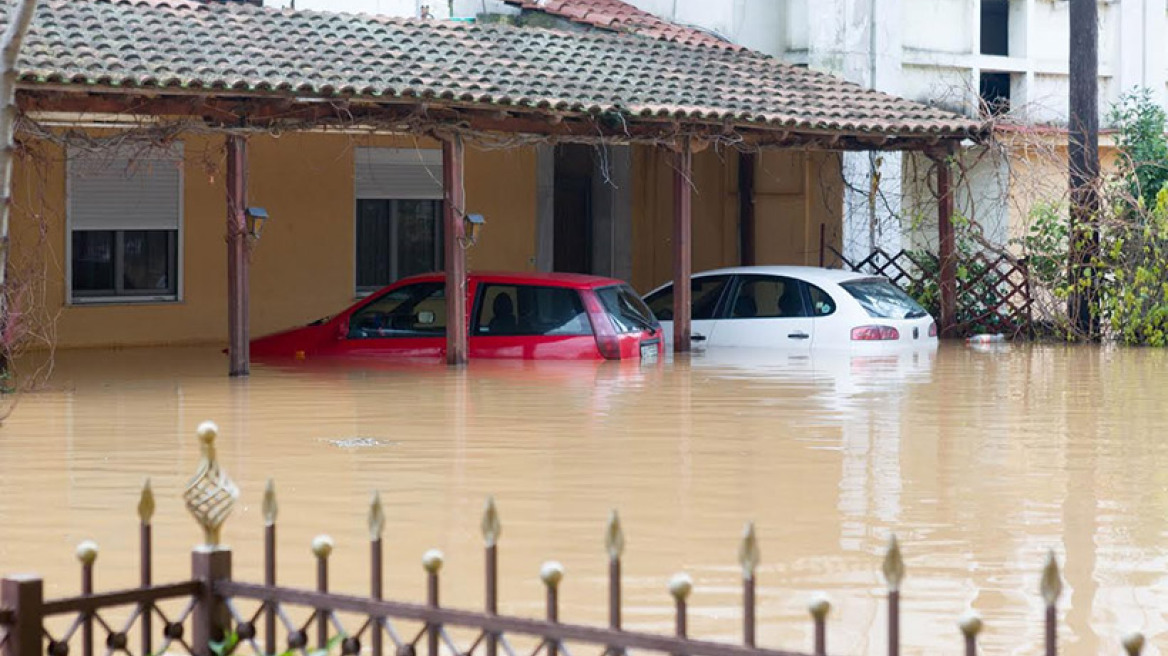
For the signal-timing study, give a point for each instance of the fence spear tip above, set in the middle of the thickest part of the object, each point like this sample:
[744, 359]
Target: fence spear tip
[1052, 582]
[270, 507]
[1133, 643]
[376, 517]
[492, 527]
[748, 552]
[893, 565]
[146, 503]
[614, 537]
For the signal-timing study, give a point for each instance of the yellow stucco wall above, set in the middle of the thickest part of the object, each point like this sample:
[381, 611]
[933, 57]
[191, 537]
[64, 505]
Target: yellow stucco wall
[794, 193]
[302, 268]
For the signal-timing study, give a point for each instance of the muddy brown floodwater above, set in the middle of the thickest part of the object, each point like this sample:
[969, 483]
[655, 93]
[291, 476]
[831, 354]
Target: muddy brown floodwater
[979, 461]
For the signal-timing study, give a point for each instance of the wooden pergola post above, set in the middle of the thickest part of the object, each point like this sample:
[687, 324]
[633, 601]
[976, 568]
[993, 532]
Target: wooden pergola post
[947, 245]
[454, 235]
[682, 250]
[238, 347]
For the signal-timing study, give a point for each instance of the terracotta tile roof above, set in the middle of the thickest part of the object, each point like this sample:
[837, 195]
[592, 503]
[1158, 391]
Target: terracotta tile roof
[623, 17]
[156, 45]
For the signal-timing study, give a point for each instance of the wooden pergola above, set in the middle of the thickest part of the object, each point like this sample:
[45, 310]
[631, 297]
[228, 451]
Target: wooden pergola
[852, 119]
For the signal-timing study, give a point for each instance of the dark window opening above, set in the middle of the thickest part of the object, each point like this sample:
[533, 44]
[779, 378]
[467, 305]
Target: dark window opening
[705, 293]
[397, 239]
[995, 27]
[109, 263]
[995, 93]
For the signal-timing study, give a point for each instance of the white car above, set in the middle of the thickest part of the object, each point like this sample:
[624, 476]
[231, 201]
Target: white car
[798, 308]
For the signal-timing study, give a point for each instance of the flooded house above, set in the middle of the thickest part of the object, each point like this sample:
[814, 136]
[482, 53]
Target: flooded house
[337, 153]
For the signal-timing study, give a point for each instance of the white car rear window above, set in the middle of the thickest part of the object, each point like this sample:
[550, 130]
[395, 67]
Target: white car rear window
[884, 300]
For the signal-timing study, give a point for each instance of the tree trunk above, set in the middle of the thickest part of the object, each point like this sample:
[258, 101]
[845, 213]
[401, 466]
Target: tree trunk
[19, 19]
[1083, 156]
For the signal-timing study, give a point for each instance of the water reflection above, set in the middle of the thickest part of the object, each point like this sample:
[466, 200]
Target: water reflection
[979, 460]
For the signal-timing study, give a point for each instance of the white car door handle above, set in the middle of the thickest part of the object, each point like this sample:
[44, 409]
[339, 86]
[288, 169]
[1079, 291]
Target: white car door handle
[697, 338]
[799, 335]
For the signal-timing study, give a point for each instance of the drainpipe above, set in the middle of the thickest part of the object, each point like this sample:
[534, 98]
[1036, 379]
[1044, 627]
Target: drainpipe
[874, 181]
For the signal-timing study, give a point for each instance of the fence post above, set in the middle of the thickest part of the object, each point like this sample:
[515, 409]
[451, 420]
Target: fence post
[24, 595]
[551, 574]
[748, 558]
[432, 562]
[1051, 588]
[492, 527]
[970, 625]
[322, 548]
[614, 544]
[893, 575]
[87, 556]
[270, 510]
[376, 564]
[146, 548]
[210, 496]
[819, 607]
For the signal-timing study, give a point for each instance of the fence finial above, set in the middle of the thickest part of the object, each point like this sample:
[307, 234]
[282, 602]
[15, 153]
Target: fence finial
[210, 494]
[1052, 583]
[680, 586]
[376, 517]
[492, 527]
[1133, 643]
[820, 605]
[748, 553]
[614, 537]
[432, 561]
[551, 574]
[970, 624]
[146, 503]
[270, 507]
[893, 565]
[87, 552]
[322, 546]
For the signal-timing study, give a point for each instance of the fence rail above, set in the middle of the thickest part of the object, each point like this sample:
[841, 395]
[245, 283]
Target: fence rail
[213, 621]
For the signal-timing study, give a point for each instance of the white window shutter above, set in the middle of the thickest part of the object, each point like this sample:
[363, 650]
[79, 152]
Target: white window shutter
[399, 173]
[113, 191]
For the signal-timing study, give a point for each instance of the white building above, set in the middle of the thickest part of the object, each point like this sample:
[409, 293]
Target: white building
[964, 55]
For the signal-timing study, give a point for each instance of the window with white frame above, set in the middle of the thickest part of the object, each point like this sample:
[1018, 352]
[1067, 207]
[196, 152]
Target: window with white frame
[398, 214]
[125, 215]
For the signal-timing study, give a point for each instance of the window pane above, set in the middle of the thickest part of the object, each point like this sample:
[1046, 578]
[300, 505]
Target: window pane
[884, 300]
[822, 304]
[628, 312]
[417, 236]
[705, 293]
[526, 310]
[767, 297]
[412, 311]
[93, 262]
[373, 244]
[147, 261]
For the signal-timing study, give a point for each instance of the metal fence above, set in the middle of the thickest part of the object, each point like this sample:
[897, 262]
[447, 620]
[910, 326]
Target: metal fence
[993, 290]
[209, 617]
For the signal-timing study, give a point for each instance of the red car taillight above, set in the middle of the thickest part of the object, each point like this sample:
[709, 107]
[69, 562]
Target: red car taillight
[933, 329]
[606, 340]
[875, 334]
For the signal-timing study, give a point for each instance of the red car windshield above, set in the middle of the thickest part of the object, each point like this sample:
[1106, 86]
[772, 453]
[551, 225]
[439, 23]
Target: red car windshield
[629, 313]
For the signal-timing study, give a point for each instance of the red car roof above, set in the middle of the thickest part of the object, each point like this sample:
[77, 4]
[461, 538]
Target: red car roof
[574, 280]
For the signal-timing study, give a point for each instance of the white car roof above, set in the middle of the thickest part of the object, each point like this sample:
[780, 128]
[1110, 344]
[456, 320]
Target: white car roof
[806, 273]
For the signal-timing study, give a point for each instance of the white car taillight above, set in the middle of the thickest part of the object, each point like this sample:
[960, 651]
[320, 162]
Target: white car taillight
[875, 334]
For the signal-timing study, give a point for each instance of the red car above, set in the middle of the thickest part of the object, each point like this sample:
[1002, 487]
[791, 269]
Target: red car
[530, 316]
